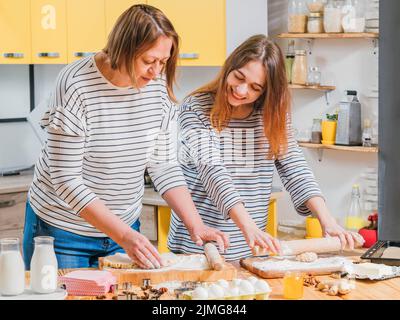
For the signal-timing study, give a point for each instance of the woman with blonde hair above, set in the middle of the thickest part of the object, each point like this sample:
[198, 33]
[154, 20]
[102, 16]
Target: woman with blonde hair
[110, 118]
[235, 131]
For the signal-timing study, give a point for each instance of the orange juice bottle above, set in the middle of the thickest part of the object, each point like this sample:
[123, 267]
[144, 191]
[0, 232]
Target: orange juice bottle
[293, 285]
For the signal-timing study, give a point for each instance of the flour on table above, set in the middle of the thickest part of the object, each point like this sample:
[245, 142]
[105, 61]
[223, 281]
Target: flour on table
[273, 264]
[170, 260]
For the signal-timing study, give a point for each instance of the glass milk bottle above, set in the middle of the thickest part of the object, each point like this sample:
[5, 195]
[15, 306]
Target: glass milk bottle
[44, 266]
[12, 268]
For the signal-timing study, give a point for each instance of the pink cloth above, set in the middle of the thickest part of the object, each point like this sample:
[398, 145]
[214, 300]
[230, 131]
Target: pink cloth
[88, 282]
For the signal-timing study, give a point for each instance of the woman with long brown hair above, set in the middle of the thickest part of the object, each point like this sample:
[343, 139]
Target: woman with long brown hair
[234, 132]
[109, 119]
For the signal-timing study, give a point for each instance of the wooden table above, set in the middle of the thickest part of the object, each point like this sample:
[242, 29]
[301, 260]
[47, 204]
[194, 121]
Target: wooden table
[365, 289]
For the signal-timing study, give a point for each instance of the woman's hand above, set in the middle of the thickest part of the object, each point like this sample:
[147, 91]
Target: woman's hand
[202, 233]
[331, 228]
[141, 251]
[329, 225]
[256, 237]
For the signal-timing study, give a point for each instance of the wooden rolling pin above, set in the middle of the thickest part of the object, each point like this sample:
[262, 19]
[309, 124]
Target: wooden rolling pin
[213, 256]
[317, 245]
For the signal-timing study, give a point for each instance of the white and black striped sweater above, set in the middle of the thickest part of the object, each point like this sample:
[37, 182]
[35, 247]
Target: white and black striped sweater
[223, 169]
[101, 138]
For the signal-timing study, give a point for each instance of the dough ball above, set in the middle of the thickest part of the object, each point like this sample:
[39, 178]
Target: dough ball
[307, 257]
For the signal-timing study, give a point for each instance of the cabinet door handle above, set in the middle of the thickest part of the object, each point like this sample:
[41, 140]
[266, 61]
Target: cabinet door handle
[48, 55]
[187, 56]
[83, 54]
[17, 55]
[7, 203]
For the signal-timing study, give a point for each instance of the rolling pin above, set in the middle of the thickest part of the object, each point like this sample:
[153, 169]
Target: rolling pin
[213, 256]
[317, 245]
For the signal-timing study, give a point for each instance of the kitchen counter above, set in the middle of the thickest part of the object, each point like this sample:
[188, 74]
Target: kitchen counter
[22, 182]
[17, 183]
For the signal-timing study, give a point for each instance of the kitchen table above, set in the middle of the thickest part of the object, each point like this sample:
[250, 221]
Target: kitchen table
[365, 289]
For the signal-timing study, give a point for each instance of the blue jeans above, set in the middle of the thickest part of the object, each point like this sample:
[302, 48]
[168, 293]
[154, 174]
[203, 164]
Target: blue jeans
[72, 250]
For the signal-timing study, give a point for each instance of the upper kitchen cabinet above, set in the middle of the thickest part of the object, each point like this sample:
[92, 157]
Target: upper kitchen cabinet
[15, 37]
[114, 8]
[201, 27]
[49, 31]
[86, 31]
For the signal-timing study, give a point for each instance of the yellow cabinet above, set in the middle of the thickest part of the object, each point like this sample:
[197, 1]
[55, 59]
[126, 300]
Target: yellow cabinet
[114, 8]
[86, 32]
[201, 27]
[15, 37]
[49, 31]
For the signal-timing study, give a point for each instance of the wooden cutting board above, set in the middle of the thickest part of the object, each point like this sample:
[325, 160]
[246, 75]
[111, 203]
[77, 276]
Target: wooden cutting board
[228, 272]
[272, 274]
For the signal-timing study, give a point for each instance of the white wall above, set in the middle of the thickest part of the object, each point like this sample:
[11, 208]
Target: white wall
[347, 64]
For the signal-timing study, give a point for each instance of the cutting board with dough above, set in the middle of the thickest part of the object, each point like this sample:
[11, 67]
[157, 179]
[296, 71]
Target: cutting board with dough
[270, 268]
[276, 267]
[136, 276]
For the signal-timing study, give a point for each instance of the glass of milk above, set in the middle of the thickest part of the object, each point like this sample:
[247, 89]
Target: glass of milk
[44, 266]
[12, 268]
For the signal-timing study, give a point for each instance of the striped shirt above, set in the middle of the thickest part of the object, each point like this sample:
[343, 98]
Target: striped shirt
[100, 140]
[226, 168]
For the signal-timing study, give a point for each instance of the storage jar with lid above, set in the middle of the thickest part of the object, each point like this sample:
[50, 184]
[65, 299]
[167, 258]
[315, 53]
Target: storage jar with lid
[316, 131]
[316, 5]
[297, 16]
[333, 17]
[299, 70]
[315, 23]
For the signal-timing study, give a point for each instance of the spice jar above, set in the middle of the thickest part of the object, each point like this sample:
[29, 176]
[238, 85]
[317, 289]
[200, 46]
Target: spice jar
[315, 23]
[316, 132]
[299, 70]
[314, 77]
[316, 6]
[333, 17]
[297, 16]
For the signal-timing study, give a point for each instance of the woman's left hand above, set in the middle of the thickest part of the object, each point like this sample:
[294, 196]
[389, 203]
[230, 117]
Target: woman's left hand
[347, 238]
[202, 234]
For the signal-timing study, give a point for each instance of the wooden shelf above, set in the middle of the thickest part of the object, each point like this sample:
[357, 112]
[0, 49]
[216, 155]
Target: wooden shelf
[364, 35]
[318, 88]
[342, 148]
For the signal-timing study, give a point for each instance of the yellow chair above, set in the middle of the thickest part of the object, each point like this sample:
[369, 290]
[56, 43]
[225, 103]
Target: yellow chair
[164, 217]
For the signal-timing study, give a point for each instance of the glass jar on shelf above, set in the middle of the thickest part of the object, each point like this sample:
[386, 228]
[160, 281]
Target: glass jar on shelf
[353, 16]
[316, 6]
[299, 70]
[333, 17]
[289, 59]
[314, 77]
[316, 131]
[315, 23]
[297, 16]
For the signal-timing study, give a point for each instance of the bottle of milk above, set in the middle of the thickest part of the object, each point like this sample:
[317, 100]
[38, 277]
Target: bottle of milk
[44, 266]
[12, 268]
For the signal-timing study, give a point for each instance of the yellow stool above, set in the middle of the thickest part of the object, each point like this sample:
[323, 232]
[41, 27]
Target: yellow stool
[164, 218]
